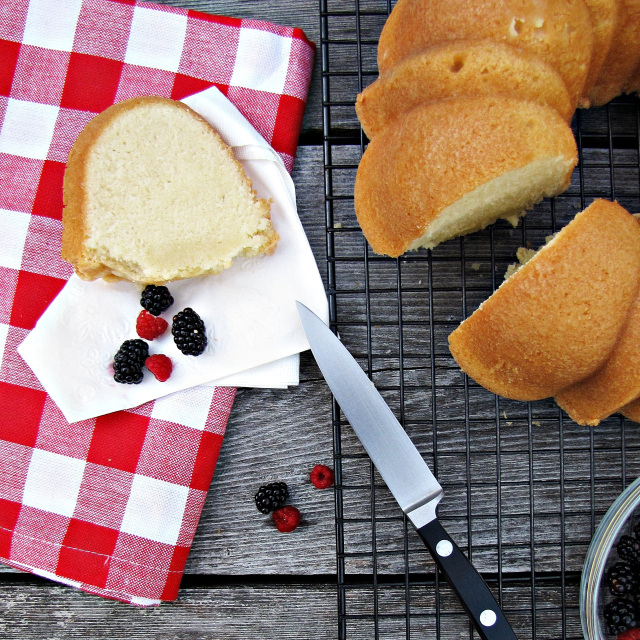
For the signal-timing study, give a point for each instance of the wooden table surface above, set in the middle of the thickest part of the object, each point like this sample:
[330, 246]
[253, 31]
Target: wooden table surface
[522, 482]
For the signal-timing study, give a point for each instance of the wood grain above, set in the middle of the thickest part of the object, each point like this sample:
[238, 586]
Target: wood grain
[524, 486]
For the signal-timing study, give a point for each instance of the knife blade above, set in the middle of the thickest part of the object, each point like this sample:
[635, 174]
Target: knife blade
[403, 469]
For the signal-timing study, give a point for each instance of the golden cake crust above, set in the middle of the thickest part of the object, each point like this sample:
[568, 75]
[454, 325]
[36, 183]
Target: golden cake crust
[631, 410]
[559, 32]
[460, 69]
[442, 151]
[604, 18]
[622, 58]
[614, 385]
[557, 319]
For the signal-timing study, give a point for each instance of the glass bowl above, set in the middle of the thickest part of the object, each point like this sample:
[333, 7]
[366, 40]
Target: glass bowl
[618, 521]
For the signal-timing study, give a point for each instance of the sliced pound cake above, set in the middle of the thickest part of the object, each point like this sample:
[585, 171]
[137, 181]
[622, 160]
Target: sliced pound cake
[452, 167]
[559, 32]
[558, 318]
[153, 194]
[460, 69]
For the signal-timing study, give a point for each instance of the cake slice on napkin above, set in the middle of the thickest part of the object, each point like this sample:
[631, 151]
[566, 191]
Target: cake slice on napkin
[153, 194]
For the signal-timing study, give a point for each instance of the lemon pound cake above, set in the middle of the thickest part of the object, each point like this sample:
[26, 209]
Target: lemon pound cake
[559, 32]
[622, 58]
[614, 385]
[557, 319]
[153, 194]
[460, 69]
[631, 410]
[604, 18]
[452, 167]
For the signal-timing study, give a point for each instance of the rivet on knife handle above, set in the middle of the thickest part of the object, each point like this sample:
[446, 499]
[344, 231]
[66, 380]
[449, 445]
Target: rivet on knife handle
[469, 586]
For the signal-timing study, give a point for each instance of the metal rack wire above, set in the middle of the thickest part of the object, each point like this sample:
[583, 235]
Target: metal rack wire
[525, 487]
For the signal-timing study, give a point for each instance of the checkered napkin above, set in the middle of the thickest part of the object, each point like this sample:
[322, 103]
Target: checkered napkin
[110, 505]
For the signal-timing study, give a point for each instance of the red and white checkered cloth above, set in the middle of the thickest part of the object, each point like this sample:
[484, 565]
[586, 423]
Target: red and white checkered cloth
[110, 505]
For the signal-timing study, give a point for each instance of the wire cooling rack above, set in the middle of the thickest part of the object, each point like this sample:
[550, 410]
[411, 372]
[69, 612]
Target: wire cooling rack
[524, 486]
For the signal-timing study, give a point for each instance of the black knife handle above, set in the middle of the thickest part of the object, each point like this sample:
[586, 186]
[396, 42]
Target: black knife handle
[469, 586]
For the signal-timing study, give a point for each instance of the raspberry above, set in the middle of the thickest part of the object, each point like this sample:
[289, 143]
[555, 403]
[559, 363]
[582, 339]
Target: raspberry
[189, 332]
[631, 634]
[271, 496]
[128, 361]
[149, 326]
[156, 299]
[322, 477]
[622, 579]
[620, 615]
[286, 518]
[160, 365]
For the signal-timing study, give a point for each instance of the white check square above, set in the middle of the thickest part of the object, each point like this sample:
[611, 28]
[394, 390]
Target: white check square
[155, 509]
[27, 129]
[53, 482]
[52, 29]
[156, 39]
[189, 407]
[262, 61]
[14, 225]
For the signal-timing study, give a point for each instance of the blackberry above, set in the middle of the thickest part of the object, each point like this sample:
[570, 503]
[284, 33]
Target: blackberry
[628, 548]
[622, 579]
[636, 531]
[271, 496]
[189, 333]
[156, 299]
[129, 360]
[620, 615]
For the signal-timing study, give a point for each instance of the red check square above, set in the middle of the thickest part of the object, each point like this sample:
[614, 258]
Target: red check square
[48, 200]
[34, 293]
[9, 52]
[9, 512]
[288, 123]
[83, 566]
[21, 412]
[172, 585]
[90, 537]
[92, 82]
[205, 461]
[117, 440]
[184, 86]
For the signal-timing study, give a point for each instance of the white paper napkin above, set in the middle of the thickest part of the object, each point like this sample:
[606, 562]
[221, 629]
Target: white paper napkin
[253, 327]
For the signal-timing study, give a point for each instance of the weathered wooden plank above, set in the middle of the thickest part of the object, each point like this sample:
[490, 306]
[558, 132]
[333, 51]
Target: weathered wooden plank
[37, 610]
[271, 435]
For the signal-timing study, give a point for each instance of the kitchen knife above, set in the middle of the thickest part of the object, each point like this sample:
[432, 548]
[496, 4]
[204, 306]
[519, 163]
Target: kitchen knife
[404, 471]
